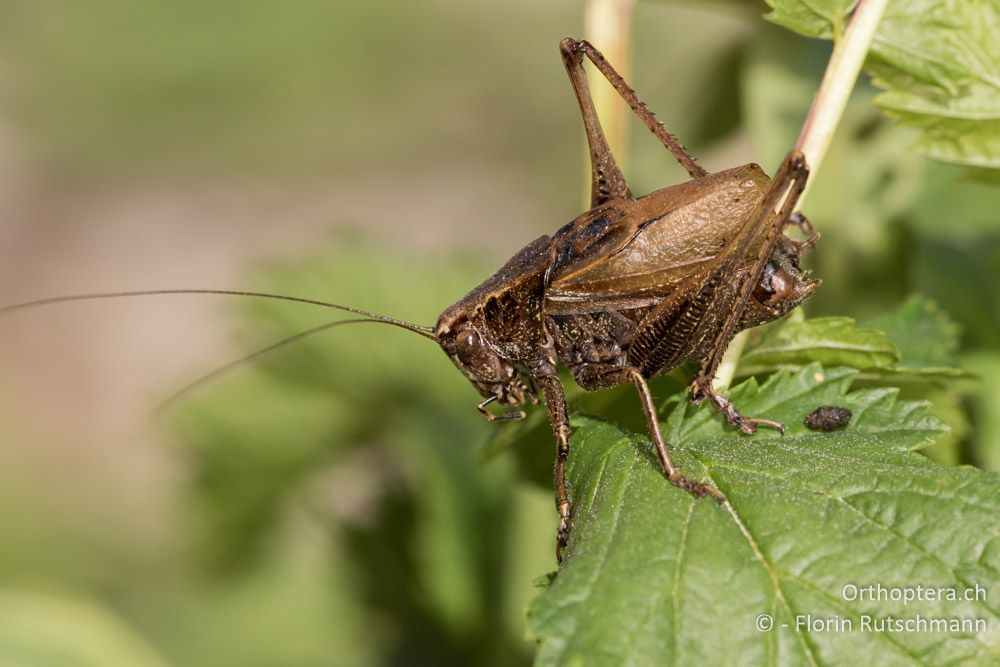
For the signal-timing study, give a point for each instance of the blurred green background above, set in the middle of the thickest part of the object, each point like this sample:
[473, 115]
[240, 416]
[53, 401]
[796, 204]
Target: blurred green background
[328, 505]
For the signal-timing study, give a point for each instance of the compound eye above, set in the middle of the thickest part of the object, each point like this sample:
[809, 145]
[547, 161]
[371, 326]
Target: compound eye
[468, 344]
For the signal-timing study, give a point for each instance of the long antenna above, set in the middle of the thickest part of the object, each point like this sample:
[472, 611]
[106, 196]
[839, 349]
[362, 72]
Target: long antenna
[191, 387]
[426, 332]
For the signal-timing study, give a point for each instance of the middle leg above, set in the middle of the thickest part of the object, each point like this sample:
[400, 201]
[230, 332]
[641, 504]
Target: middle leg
[667, 465]
[596, 376]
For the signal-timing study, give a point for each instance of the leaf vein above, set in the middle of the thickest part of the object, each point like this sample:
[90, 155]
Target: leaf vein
[772, 574]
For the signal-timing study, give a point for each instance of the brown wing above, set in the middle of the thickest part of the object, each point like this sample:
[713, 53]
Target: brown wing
[634, 253]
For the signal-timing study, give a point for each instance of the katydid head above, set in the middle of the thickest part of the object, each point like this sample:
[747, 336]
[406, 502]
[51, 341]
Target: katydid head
[495, 377]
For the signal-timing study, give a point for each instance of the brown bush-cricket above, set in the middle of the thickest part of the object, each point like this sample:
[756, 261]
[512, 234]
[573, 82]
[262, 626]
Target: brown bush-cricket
[630, 289]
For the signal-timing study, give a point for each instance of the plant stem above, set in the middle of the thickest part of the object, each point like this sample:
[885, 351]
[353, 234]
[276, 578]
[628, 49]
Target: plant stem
[730, 360]
[821, 122]
[838, 81]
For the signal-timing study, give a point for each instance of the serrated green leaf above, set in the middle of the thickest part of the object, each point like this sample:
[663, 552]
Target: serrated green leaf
[831, 341]
[651, 573]
[918, 341]
[789, 397]
[821, 18]
[938, 64]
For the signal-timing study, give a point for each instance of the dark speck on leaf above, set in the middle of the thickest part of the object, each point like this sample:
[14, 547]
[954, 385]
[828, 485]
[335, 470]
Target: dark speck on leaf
[828, 418]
